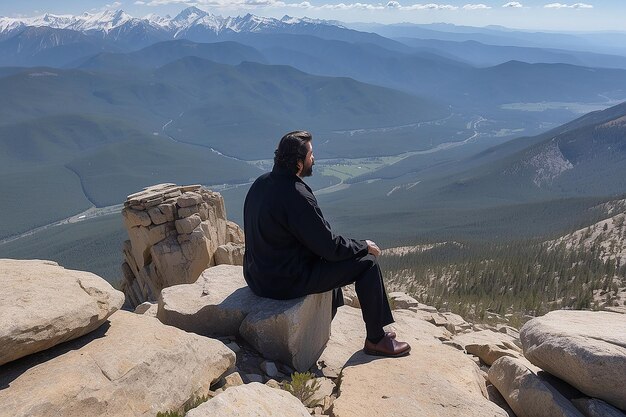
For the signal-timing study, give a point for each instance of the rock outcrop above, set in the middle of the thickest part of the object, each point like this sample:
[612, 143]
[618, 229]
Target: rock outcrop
[220, 304]
[584, 348]
[526, 393]
[43, 304]
[348, 336]
[251, 400]
[147, 308]
[487, 345]
[433, 380]
[132, 366]
[453, 322]
[175, 233]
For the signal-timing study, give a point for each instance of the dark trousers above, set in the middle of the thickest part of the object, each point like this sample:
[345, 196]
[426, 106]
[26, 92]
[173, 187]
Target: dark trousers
[365, 274]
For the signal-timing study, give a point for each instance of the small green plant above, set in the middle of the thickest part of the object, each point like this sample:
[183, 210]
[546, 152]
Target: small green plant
[303, 386]
[170, 414]
[191, 404]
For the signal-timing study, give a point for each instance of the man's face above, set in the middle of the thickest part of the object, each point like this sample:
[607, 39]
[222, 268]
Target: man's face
[309, 161]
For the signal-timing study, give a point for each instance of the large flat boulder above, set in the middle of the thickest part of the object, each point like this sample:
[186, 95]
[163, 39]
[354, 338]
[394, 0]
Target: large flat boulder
[587, 349]
[528, 394]
[43, 304]
[251, 400]
[219, 303]
[132, 366]
[433, 380]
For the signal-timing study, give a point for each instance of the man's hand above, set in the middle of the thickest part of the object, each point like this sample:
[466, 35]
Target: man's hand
[372, 248]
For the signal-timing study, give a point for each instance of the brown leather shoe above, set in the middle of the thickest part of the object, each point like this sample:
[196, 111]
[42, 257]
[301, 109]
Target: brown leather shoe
[387, 346]
[391, 334]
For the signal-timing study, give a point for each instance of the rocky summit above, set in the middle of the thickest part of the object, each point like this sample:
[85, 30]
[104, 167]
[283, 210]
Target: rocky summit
[210, 347]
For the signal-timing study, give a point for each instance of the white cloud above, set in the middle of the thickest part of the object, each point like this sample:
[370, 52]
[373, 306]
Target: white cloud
[167, 2]
[391, 4]
[429, 6]
[513, 5]
[352, 6]
[259, 2]
[568, 6]
[114, 5]
[476, 7]
[303, 5]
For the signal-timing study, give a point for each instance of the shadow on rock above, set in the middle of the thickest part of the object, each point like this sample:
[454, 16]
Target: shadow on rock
[12, 370]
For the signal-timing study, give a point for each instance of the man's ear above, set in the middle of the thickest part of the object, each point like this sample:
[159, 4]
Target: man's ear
[300, 166]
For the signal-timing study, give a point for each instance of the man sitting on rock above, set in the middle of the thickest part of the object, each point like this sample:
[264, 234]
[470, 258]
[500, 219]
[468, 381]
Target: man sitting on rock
[292, 252]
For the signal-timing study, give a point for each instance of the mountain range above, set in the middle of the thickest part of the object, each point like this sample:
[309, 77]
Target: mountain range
[108, 21]
[528, 187]
[113, 30]
[607, 42]
[69, 37]
[415, 139]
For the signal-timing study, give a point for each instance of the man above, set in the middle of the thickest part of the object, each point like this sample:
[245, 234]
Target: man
[292, 252]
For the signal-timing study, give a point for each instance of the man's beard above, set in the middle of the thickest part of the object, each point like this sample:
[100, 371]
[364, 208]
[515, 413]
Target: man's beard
[307, 171]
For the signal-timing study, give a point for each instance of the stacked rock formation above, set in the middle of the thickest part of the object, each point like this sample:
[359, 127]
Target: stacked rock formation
[175, 233]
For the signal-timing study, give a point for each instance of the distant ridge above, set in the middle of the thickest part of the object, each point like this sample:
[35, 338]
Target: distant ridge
[110, 20]
[115, 31]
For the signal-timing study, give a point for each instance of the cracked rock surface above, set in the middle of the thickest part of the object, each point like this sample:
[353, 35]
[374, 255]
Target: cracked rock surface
[131, 366]
[43, 304]
[433, 380]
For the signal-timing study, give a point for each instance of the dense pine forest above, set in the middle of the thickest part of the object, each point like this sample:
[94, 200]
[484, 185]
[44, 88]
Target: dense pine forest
[506, 282]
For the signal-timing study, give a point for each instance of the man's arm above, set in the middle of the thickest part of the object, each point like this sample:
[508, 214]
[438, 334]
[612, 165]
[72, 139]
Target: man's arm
[308, 225]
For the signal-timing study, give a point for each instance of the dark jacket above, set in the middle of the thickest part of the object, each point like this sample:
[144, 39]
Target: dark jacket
[286, 234]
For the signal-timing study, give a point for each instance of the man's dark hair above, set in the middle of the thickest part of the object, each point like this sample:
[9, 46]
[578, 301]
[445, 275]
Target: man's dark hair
[291, 149]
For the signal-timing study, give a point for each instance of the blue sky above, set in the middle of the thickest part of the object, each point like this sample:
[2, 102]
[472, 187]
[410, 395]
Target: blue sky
[592, 15]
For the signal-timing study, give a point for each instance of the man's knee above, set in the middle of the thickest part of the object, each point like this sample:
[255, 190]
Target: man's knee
[370, 260]
[371, 270]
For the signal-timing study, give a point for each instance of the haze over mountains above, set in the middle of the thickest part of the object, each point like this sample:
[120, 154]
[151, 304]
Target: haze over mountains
[441, 132]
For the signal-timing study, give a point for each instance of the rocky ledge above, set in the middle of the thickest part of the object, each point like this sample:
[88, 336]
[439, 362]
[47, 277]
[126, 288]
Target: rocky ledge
[65, 349]
[130, 364]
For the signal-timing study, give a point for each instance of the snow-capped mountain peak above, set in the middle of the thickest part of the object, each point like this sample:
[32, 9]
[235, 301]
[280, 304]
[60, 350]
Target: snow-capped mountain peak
[189, 15]
[50, 20]
[191, 19]
[102, 21]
